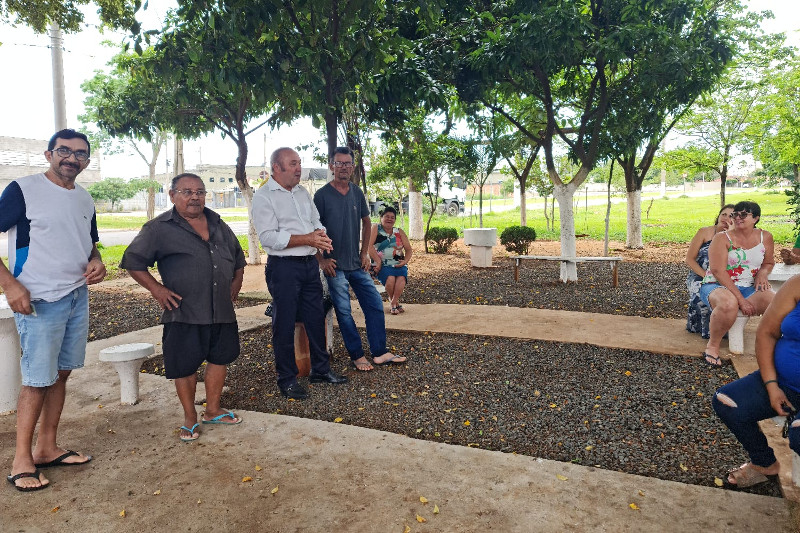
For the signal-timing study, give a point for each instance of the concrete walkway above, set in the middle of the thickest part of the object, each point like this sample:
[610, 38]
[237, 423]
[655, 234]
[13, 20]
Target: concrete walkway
[307, 475]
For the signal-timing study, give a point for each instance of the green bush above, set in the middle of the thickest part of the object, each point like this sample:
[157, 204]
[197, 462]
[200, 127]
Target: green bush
[442, 239]
[516, 239]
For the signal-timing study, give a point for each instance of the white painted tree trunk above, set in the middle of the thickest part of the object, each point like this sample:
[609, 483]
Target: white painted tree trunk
[253, 253]
[563, 195]
[633, 234]
[416, 228]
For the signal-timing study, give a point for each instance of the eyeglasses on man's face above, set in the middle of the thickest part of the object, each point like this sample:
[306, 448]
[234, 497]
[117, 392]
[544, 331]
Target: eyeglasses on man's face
[345, 164]
[188, 193]
[64, 153]
[740, 214]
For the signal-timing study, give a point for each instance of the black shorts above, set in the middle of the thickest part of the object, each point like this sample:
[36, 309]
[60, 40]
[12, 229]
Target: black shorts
[186, 346]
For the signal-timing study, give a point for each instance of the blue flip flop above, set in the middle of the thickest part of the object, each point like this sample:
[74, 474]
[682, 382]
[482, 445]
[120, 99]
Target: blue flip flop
[191, 431]
[218, 419]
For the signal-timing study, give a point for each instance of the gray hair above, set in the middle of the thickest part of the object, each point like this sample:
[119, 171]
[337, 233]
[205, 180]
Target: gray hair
[179, 177]
[342, 150]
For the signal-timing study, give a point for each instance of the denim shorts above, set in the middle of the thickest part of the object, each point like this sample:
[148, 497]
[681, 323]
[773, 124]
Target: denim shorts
[706, 288]
[386, 271]
[53, 337]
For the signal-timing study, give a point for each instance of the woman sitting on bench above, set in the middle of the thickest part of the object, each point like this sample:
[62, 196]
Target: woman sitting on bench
[739, 263]
[697, 261]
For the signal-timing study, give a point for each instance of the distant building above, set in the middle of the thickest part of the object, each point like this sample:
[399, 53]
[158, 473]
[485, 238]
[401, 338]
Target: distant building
[23, 157]
[220, 182]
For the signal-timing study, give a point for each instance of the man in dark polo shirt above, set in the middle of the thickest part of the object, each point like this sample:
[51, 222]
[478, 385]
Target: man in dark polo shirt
[290, 231]
[201, 264]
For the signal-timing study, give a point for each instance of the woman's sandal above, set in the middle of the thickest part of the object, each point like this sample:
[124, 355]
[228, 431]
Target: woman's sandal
[400, 309]
[394, 311]
[746, 476]
[708, 358]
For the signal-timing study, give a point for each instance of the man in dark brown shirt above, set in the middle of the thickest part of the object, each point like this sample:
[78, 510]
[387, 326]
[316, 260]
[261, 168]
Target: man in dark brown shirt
[201, 264]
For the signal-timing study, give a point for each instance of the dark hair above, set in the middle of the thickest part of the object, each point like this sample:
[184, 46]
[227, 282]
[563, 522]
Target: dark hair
[389, 209]
[724, 207]
[341, 150]
[179, 177]
[68, 134]
[749, 207]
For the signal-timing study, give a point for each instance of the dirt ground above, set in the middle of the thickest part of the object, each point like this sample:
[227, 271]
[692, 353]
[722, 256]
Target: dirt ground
[280, 473]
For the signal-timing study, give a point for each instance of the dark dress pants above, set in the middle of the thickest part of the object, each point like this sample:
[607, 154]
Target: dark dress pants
[295, 285]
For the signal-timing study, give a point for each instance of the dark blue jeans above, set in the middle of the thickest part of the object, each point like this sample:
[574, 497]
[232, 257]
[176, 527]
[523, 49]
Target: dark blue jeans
[371, 304]
[752, 405]
[294, 284]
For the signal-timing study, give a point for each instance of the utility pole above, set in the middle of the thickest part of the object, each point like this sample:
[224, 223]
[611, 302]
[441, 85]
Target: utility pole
[59, 96]
[179, 155]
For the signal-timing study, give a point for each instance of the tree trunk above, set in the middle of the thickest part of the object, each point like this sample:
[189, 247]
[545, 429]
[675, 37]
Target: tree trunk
[253, 253]
[480, 207]
[633, 233]
[523, 213]
[331, 131]
[723, 183]
[563, 195]
[151, 192]
[546, 215]
[416, 228]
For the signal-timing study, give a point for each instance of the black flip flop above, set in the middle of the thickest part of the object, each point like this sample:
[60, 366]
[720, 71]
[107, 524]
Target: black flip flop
[13, 480]
[707, 356]
[59, 461]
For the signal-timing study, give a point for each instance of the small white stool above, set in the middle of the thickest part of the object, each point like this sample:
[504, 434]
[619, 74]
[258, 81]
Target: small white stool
[127, 359]
[736, 334]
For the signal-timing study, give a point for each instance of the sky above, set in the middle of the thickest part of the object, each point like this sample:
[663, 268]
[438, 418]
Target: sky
[26, 92]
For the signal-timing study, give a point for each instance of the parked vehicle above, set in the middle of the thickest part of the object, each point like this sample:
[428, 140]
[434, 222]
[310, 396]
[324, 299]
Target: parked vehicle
[452, 195]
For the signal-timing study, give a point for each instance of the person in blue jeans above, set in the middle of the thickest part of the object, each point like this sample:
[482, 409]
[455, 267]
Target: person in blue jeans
[53, 256]
[772, 390]
[344, 213]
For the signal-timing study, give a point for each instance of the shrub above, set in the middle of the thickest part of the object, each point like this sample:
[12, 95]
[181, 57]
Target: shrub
[516, 239]
[442, 239]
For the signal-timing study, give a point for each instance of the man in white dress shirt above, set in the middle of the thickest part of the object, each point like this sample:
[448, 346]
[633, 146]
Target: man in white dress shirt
[289, 229]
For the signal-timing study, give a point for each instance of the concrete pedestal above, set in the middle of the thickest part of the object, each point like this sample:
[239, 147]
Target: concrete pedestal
[736, 334]
[127, 359]
[10, 375]
[480, 241]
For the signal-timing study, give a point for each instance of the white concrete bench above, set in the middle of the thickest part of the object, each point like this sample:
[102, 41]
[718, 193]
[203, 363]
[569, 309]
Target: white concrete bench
[736, 334]
[781, 272]
[779, 275]
[480, 242]
[127, 360]
[564, 260]
[10, 375]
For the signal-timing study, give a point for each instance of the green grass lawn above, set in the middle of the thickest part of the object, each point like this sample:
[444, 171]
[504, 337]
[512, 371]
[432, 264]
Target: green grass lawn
[670, 220]
[673, 220]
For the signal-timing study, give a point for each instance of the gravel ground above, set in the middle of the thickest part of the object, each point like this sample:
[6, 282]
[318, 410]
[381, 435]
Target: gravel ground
[624, 410]
[559, 401]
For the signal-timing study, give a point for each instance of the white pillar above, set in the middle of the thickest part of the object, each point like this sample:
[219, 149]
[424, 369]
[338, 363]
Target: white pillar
[10, 376]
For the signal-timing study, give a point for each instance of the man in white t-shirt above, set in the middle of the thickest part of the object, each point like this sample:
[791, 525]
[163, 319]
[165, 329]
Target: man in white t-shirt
[53, 256]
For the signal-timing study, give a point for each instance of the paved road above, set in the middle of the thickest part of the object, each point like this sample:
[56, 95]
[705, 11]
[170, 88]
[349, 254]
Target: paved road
[115, 237]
